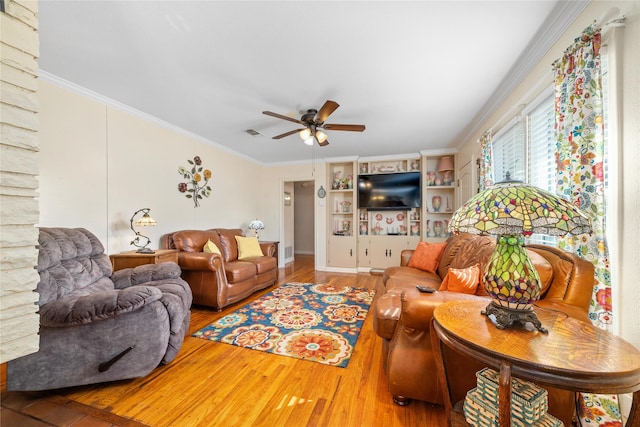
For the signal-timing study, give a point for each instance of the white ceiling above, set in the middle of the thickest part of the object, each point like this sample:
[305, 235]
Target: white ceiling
[420, 74]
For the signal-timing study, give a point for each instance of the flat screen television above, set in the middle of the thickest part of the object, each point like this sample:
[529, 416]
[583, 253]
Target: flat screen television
[389, 191]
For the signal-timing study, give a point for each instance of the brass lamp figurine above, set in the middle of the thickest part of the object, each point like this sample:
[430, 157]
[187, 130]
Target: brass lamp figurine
[512, 210]
[144, 221]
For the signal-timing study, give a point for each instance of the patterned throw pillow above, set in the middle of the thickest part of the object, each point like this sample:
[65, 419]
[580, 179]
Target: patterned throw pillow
[248, 247]
[211, 248]
[427, 256]
[463, 280]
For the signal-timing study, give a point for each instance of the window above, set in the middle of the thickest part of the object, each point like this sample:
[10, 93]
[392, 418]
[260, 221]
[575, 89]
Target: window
[508, 154]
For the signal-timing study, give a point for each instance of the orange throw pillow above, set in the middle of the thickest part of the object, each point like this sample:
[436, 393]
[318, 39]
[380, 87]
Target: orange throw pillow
[462, 280]
[427, 256]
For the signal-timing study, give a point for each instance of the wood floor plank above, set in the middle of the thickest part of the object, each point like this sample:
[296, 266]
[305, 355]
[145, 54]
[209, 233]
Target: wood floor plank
[211, 383]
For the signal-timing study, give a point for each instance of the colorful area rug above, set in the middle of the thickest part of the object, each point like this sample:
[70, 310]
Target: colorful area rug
[598, 410]
[319, 323]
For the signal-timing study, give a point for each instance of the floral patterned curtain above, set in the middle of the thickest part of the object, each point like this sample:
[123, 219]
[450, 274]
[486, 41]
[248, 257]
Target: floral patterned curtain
[579, 137]
[486, 162]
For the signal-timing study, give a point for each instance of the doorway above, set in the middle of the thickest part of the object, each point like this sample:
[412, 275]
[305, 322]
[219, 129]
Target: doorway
[299, 220]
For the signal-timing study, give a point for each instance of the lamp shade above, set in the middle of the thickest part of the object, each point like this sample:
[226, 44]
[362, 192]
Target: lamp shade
[256, 224]
[445, 164]
[516, 208]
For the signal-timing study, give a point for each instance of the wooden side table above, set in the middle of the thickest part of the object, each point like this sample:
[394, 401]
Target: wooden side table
[132, 259]
[574, 355]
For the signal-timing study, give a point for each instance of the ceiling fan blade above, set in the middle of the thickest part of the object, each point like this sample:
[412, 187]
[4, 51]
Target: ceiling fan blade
[326, 110]
[280, 116]
[291, 132]
[352, 128]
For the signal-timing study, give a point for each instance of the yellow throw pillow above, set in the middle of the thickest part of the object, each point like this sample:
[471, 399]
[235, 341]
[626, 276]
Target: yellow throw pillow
[248, 247]
[211, 248]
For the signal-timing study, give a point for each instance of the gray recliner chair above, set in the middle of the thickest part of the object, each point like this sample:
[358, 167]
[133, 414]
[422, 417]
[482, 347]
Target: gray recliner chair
[96, 326]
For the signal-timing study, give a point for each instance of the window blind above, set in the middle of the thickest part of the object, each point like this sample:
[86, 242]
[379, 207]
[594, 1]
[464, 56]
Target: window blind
[509, 154]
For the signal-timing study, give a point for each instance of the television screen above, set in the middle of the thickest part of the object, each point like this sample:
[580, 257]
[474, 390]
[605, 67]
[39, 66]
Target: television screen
[390, 191]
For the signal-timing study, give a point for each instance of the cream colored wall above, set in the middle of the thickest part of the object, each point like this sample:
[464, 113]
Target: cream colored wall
[99, 164]
[626, 290]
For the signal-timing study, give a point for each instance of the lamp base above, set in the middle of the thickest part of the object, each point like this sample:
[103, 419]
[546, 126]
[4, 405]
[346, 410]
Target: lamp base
[145, 251]
[509, 317]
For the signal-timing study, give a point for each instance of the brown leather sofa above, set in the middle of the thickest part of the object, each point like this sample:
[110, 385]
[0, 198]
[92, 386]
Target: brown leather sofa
[402, 317]
[220, 280]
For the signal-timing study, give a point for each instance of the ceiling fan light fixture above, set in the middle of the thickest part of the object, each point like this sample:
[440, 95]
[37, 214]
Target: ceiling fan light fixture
[322, 137]
[305, 134]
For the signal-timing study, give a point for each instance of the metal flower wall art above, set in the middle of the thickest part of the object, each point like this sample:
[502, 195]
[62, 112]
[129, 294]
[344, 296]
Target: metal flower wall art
[197, 178]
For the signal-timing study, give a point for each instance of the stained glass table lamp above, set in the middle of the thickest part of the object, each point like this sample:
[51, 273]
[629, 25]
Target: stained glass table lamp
[512, 210]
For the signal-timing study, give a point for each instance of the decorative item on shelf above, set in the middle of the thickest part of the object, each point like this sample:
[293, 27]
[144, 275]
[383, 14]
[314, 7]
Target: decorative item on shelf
[436, 202]
[364, 168]
[256, 225]
[445, 166]
[414, 165]
[346, 227]
[335, 184]
[144, 221]
[448, 206]
[377, 229]
[446, 228]
[438, 228]
[195, 176]
[363, 229]
[428, 229]
[389, 220]
[511, 210]
[346, 206]
[402, 230]
[431, 179]
[415, 230]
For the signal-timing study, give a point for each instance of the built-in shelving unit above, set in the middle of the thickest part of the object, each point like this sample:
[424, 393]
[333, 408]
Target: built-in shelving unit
[341, 205]
[439, 196]
[370, 239]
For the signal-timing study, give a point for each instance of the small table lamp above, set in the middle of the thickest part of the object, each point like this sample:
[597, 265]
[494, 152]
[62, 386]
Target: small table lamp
[256, 225]
[445, 166]
[144, 221]
[511, 210]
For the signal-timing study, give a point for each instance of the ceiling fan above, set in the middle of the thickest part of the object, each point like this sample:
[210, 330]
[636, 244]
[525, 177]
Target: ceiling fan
[313, 122]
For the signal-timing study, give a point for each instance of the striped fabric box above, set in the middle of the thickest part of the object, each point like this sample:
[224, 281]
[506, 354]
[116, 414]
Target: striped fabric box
[528, 401]
[479, 412]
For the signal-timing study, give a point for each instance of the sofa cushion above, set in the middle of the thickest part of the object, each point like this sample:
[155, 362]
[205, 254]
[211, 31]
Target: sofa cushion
[228, 244]
[238, 271]
[248, 247]
[465, 280]
[427, 256]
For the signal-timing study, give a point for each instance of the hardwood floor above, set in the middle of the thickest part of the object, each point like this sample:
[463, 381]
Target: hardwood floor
[211, 384]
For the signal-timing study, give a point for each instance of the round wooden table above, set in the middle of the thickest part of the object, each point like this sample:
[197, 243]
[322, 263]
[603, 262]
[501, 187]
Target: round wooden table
[574, 355]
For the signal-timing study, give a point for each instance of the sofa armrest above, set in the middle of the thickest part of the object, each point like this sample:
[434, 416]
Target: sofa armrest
[268, 248]
[96, 306]
[405, 256]
[417, 307]
[144, 274]
[200, 261]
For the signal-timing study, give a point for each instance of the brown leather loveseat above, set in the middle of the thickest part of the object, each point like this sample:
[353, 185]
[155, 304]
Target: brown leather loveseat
[402, 317]
[220, 280]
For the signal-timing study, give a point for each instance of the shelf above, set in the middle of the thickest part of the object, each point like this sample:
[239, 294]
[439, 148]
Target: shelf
[441, 187]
